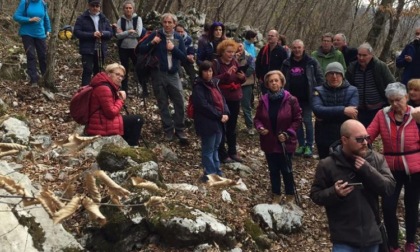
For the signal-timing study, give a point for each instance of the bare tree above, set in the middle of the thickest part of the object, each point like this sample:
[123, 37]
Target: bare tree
[393, 25]
[379, 21]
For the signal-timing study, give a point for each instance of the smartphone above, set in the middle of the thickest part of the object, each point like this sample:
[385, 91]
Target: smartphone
[358, 184]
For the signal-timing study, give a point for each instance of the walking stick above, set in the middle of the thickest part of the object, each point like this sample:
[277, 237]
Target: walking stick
[289, 169]
[100, 58]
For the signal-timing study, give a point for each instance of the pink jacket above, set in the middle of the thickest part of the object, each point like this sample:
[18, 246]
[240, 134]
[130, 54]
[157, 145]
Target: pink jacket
[401, 144]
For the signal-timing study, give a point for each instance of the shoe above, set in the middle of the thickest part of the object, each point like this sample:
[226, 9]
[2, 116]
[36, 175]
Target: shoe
[276, 199]
[169, 136]
[308, 152]
[236, 158]
[410, 247]
[289, 199]
[34, 85]
[300, 151]
[251, 131]
[183, 139]
[227, 160]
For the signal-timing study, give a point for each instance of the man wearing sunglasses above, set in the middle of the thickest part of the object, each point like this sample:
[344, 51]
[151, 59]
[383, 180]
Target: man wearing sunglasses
[350, 209]
[92, 29]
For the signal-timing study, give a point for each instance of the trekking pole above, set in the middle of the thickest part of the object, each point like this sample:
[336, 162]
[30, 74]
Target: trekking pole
[100, 58]
[289, 168]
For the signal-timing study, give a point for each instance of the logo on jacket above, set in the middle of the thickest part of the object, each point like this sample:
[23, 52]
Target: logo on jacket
[297, 71]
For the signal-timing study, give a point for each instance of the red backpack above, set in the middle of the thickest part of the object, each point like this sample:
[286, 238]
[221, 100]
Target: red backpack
[80, 104]
[190, 108]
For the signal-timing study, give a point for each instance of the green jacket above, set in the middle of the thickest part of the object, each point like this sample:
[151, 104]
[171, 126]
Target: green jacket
[381, 74]
[324, 59]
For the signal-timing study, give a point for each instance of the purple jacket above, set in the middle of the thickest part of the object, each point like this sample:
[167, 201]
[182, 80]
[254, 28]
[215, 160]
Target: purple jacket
[289, 118]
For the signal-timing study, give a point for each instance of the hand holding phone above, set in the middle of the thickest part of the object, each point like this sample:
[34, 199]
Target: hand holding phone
[356, 185]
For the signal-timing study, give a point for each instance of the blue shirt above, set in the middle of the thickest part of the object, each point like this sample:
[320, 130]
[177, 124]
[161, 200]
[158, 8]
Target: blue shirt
[250, 48]
[36, 8]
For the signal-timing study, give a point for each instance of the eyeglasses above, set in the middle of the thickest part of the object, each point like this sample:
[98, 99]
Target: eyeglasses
[334, 74]
[119, 75]
[95, 5]
[361, 139]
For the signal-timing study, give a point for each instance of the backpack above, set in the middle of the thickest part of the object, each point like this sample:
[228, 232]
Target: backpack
[123, 27]
[25, 11]
[80, 104]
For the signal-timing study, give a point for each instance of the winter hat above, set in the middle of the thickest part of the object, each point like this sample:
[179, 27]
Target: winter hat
[334, 67]
[94, 2]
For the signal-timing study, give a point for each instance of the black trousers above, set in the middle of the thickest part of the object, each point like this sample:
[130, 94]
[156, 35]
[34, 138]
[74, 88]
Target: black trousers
[125, 56]
[132, 128]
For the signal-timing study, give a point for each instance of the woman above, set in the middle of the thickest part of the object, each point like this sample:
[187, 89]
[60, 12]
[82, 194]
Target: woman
[225, 68]
[401, 143]
[246, 60]
[35, 27]
[332, 103]
[250, 37]
[210, 115]
[413, 87]
[277, 119]
[106, 102]
[208, 50]
[129, 30]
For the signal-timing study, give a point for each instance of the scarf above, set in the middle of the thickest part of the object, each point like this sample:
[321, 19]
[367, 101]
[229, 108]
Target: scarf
[169, 36]
[276, 96]
[216, 95]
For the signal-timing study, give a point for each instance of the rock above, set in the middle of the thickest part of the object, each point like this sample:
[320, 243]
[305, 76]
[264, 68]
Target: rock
[16, 131]
[148, 171]
[226, 196]
[283, 219]
[168, 154]
[31, 228]
[243, 169]
[44, 141]
[183, 187]
[94, 148]
[240, 186]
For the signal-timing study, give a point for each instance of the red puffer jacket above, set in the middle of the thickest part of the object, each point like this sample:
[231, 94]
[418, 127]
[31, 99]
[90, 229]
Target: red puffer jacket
[106, 119]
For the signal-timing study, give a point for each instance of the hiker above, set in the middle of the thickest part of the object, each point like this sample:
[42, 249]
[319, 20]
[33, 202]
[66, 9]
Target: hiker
[93, 30]
[326, 53]
[277, 119]
[189, 64]
[340, 43]
[35, 27]
[210, 116]
[413, 87]
[106, 101]
[303, 73]
[208, 51]
[399, 132]
[370, 75]
[225, 68]
[250, 38]
[352, 210]
[128, 31]
[170, 50]
[270, 57]
[333, 103]
[409, 59]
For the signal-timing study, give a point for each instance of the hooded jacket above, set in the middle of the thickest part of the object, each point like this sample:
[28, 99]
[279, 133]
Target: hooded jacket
[411, 69]
[105, 107]
[351, 219]
[333, 56]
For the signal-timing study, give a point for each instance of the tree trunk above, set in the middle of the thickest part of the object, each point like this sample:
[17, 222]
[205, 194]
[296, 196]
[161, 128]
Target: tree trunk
[73, 12]
[52, 46]
[393, 25]
[270, 16]
[244, 15]
[379, 21]
[107, 10]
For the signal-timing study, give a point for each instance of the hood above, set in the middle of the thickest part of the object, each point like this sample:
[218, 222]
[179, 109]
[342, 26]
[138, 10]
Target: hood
[133, 16]
[102, 78]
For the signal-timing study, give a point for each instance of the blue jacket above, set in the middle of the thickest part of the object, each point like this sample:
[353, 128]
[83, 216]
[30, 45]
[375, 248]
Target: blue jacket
[84, 29]
[207, 119]
[409, 67]
[328, 105]
[207, 51]
[160, 51]
[250, 48]
[36, 8]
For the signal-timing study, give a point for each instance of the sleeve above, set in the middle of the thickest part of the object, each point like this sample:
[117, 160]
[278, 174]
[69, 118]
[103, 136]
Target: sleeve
[258, 66]
[146, 45]
[400, 61]
[123, 34]
[319, 74]
[325, 112]
[179, 51]
[374, 127]
[18, 15]
[202, 105]
[341, 60]
[107, 31]
[109, 105]
[79, 32]
[258, 121]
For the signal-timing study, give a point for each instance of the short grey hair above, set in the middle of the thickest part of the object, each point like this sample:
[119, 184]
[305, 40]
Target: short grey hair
[366, 46]
[129, 2]
[342, 36]
[298, 41]
[396, 88]
[164, 16]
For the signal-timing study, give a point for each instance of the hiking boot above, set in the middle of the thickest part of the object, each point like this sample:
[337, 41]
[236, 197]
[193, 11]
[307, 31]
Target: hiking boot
[289, 199]
[227, 160]
[410, 247]
[183, 139]
[300, 151]
[307, 152]
[169, 136]
[276, 199]
[236, 158]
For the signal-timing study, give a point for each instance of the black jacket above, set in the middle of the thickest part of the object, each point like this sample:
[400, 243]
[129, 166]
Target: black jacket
[351, 219]
[274, 61]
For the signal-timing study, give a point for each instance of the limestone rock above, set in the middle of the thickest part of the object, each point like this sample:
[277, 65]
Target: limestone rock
[16, 131]
[283, 219]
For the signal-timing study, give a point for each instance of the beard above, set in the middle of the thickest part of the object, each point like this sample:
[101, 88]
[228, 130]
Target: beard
[361, 152]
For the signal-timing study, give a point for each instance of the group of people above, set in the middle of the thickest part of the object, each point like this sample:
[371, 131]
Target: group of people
[352, 94]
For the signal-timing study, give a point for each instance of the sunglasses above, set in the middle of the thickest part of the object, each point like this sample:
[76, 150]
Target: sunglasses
[361, 139]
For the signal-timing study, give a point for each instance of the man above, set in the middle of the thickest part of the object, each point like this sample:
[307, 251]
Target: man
[327, 54]
[409, 59]
[92, 29]
[349, 53]
[189, 64]
[371, 76]
[351, 209]
[169, 48]
[332, 103]
[302, 74]
[270, 57]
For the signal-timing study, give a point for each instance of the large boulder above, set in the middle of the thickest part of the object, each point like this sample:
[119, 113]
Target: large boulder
[17, 131]
[283, 219]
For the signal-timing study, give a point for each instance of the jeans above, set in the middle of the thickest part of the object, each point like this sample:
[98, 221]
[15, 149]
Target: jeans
[411, 201]
[209, 153]
[125, 56]
[229, 135]
[32, 46]
[90, 63]
[309, 128]
[340, 247]
[277, 164]
[168, 86]
[246, 105]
